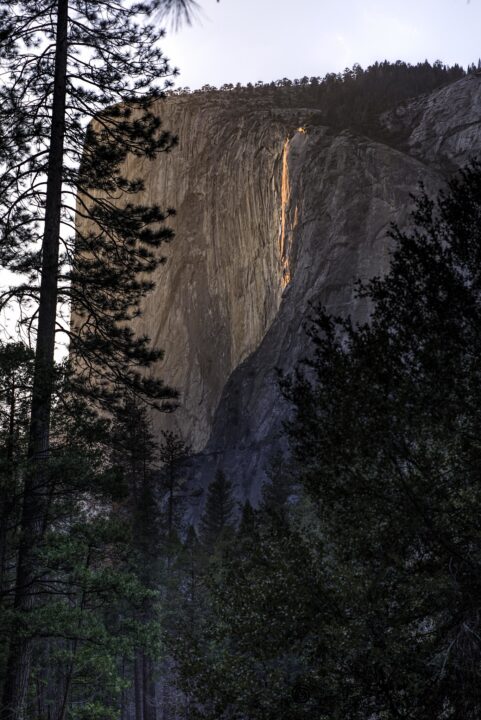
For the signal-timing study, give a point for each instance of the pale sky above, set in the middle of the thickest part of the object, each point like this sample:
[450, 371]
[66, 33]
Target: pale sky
[249, 40]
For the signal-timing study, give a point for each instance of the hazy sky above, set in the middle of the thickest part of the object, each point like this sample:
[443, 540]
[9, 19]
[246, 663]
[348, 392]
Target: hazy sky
[249, 40]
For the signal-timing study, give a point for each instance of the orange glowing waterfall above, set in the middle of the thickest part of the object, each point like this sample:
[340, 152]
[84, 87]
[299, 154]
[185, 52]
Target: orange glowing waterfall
[285, 199]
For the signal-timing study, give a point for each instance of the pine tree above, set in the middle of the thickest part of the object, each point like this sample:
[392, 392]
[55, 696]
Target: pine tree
[184, 615]
[363, 599]
[135, 453]
[16, 363]
[84, 588]
[262, 627]
[279, 486]
[64, 62]
[386, 443]
[174, 455]
[248, 522]
[174, 496]
[218, 517]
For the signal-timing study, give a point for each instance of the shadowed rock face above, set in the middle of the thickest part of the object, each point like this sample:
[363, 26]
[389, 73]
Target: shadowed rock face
[272, 216]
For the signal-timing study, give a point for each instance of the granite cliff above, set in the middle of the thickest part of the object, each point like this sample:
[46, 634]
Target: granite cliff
[276, 209]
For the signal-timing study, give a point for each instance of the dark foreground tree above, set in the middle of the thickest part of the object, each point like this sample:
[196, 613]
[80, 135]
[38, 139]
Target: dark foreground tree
[250, 642]
[218, 518]
[173, 493]
[16, 363]
[386, 442]
[135, 453]
[360, 597]
[63, 63]
[86, 592]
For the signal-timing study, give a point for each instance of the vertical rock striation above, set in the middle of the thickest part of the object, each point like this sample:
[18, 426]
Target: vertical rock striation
[221, 286]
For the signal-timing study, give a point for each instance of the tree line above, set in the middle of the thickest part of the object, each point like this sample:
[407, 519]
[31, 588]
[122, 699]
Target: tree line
[115, 554]
[354, 97]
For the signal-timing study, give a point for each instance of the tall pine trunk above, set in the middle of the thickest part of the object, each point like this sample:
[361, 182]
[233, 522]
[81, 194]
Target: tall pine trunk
[139, 685]
[33, 510]
[150, 712]
[6, 503]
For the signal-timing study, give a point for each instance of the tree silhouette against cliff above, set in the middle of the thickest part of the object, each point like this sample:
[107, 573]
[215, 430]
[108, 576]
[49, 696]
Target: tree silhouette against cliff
[135, 452]
[386, 443]
[358, 596]
[217, 521]
[65, 62]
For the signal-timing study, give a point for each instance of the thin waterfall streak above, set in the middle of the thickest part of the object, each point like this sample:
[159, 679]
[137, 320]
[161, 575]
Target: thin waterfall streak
[285, 200]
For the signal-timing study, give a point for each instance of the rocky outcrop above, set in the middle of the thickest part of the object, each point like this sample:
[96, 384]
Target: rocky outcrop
[274, 212]
[443, 128]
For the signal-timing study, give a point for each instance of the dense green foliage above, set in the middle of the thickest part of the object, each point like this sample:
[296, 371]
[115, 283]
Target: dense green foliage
[89, 594]
[359, 596]
[78, 83]
[218, 515]
[253, 651]
[387, 442]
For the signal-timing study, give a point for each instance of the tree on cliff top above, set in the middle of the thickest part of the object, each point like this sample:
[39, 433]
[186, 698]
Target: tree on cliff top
[62, 63]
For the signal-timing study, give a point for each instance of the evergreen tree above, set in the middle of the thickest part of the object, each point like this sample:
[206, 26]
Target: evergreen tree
[279, 486]
[64, 62]
[218, 517]
[173, 488]
[135, 453]
[174, 496]
[386, 443]
[248, 522]
[186, 613]
[357, 97]
[360, 599]
[16, 362]
[264, 624]
[85, 594]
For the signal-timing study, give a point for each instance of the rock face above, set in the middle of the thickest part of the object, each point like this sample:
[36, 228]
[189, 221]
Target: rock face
[272, 215]
[220, 289]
